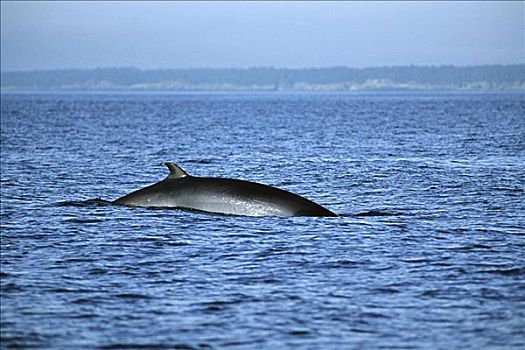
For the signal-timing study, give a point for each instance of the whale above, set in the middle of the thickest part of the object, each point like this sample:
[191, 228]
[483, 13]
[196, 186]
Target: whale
[179, 190]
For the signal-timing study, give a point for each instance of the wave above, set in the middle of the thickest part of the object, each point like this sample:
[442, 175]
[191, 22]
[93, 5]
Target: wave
[98, 202]
[375, 213]
[94, 202]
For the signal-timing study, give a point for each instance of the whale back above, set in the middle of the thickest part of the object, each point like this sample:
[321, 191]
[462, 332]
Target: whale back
[221, 195]
[240, 197]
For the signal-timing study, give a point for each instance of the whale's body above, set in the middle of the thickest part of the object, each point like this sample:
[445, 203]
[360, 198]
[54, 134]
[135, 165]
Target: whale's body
[223, 196]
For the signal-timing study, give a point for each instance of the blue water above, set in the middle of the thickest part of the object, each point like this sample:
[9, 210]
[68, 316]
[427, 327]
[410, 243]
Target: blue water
[428, 253]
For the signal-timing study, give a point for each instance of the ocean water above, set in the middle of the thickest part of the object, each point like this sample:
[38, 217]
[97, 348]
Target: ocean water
[428, 251]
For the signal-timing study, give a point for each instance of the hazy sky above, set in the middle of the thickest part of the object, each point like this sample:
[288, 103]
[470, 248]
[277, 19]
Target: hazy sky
[48, 35]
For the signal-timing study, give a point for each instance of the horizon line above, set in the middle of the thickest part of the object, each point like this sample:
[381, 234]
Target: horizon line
[37, 70]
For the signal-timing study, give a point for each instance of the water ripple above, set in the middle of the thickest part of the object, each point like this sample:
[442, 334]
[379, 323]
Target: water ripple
[427, 251]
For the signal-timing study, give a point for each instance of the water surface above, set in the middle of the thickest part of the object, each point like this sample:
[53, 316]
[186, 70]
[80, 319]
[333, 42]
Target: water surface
[429, 250]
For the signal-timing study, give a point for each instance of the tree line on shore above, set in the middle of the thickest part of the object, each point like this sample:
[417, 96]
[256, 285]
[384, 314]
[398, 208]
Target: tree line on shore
[268, 77]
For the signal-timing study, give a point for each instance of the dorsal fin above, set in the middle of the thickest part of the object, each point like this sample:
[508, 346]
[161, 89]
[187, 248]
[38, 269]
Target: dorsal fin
[176, 171]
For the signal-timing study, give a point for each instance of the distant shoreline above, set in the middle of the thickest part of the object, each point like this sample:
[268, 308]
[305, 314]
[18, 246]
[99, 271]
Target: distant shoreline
[268, 79]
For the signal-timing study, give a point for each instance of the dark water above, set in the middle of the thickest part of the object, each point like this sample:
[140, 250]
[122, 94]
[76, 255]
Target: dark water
[429, 251]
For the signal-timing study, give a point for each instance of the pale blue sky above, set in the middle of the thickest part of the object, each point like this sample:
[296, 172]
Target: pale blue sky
[49, 35]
